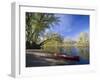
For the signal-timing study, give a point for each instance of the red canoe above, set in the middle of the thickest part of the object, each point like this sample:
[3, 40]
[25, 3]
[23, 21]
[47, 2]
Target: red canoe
[62, 56]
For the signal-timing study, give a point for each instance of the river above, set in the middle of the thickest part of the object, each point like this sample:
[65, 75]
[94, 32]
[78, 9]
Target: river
[82, 52]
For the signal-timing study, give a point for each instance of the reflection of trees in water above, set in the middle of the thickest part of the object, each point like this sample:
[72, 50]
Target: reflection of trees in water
[68, 50]
[55, 46]
[83, 52]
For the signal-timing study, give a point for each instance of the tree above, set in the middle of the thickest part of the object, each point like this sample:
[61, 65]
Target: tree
[36, 23]
[83, 39]
[53, 36]
[52, 43]
[68, 42]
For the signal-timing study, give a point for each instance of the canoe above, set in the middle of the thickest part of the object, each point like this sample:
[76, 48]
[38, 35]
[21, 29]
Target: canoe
[66, 57]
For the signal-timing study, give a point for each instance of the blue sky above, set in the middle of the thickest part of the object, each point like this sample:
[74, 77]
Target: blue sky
[71, 25]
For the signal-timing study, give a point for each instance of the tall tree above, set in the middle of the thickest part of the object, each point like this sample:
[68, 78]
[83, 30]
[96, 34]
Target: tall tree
[83, 39]
[36, 23]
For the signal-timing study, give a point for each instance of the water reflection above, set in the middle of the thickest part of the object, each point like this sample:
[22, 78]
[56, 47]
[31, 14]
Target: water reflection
[82, 52]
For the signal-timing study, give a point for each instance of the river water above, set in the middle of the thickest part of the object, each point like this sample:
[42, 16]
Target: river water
[33, 60]
[82, 52]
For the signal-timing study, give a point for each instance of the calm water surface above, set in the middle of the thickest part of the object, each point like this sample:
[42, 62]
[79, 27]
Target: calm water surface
[82, 52]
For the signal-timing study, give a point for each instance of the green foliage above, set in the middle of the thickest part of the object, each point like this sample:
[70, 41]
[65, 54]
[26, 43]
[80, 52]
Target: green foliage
[52, 44]
[36, 23]
[54, 36]
[83, 39]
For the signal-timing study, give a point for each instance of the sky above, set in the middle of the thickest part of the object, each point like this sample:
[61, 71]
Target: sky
[70, 25]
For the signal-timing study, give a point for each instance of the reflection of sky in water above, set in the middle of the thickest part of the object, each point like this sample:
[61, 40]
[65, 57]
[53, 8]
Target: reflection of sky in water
[82, 52]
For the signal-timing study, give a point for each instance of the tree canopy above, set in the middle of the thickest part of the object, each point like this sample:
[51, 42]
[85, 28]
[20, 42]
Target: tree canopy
[36, 23]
